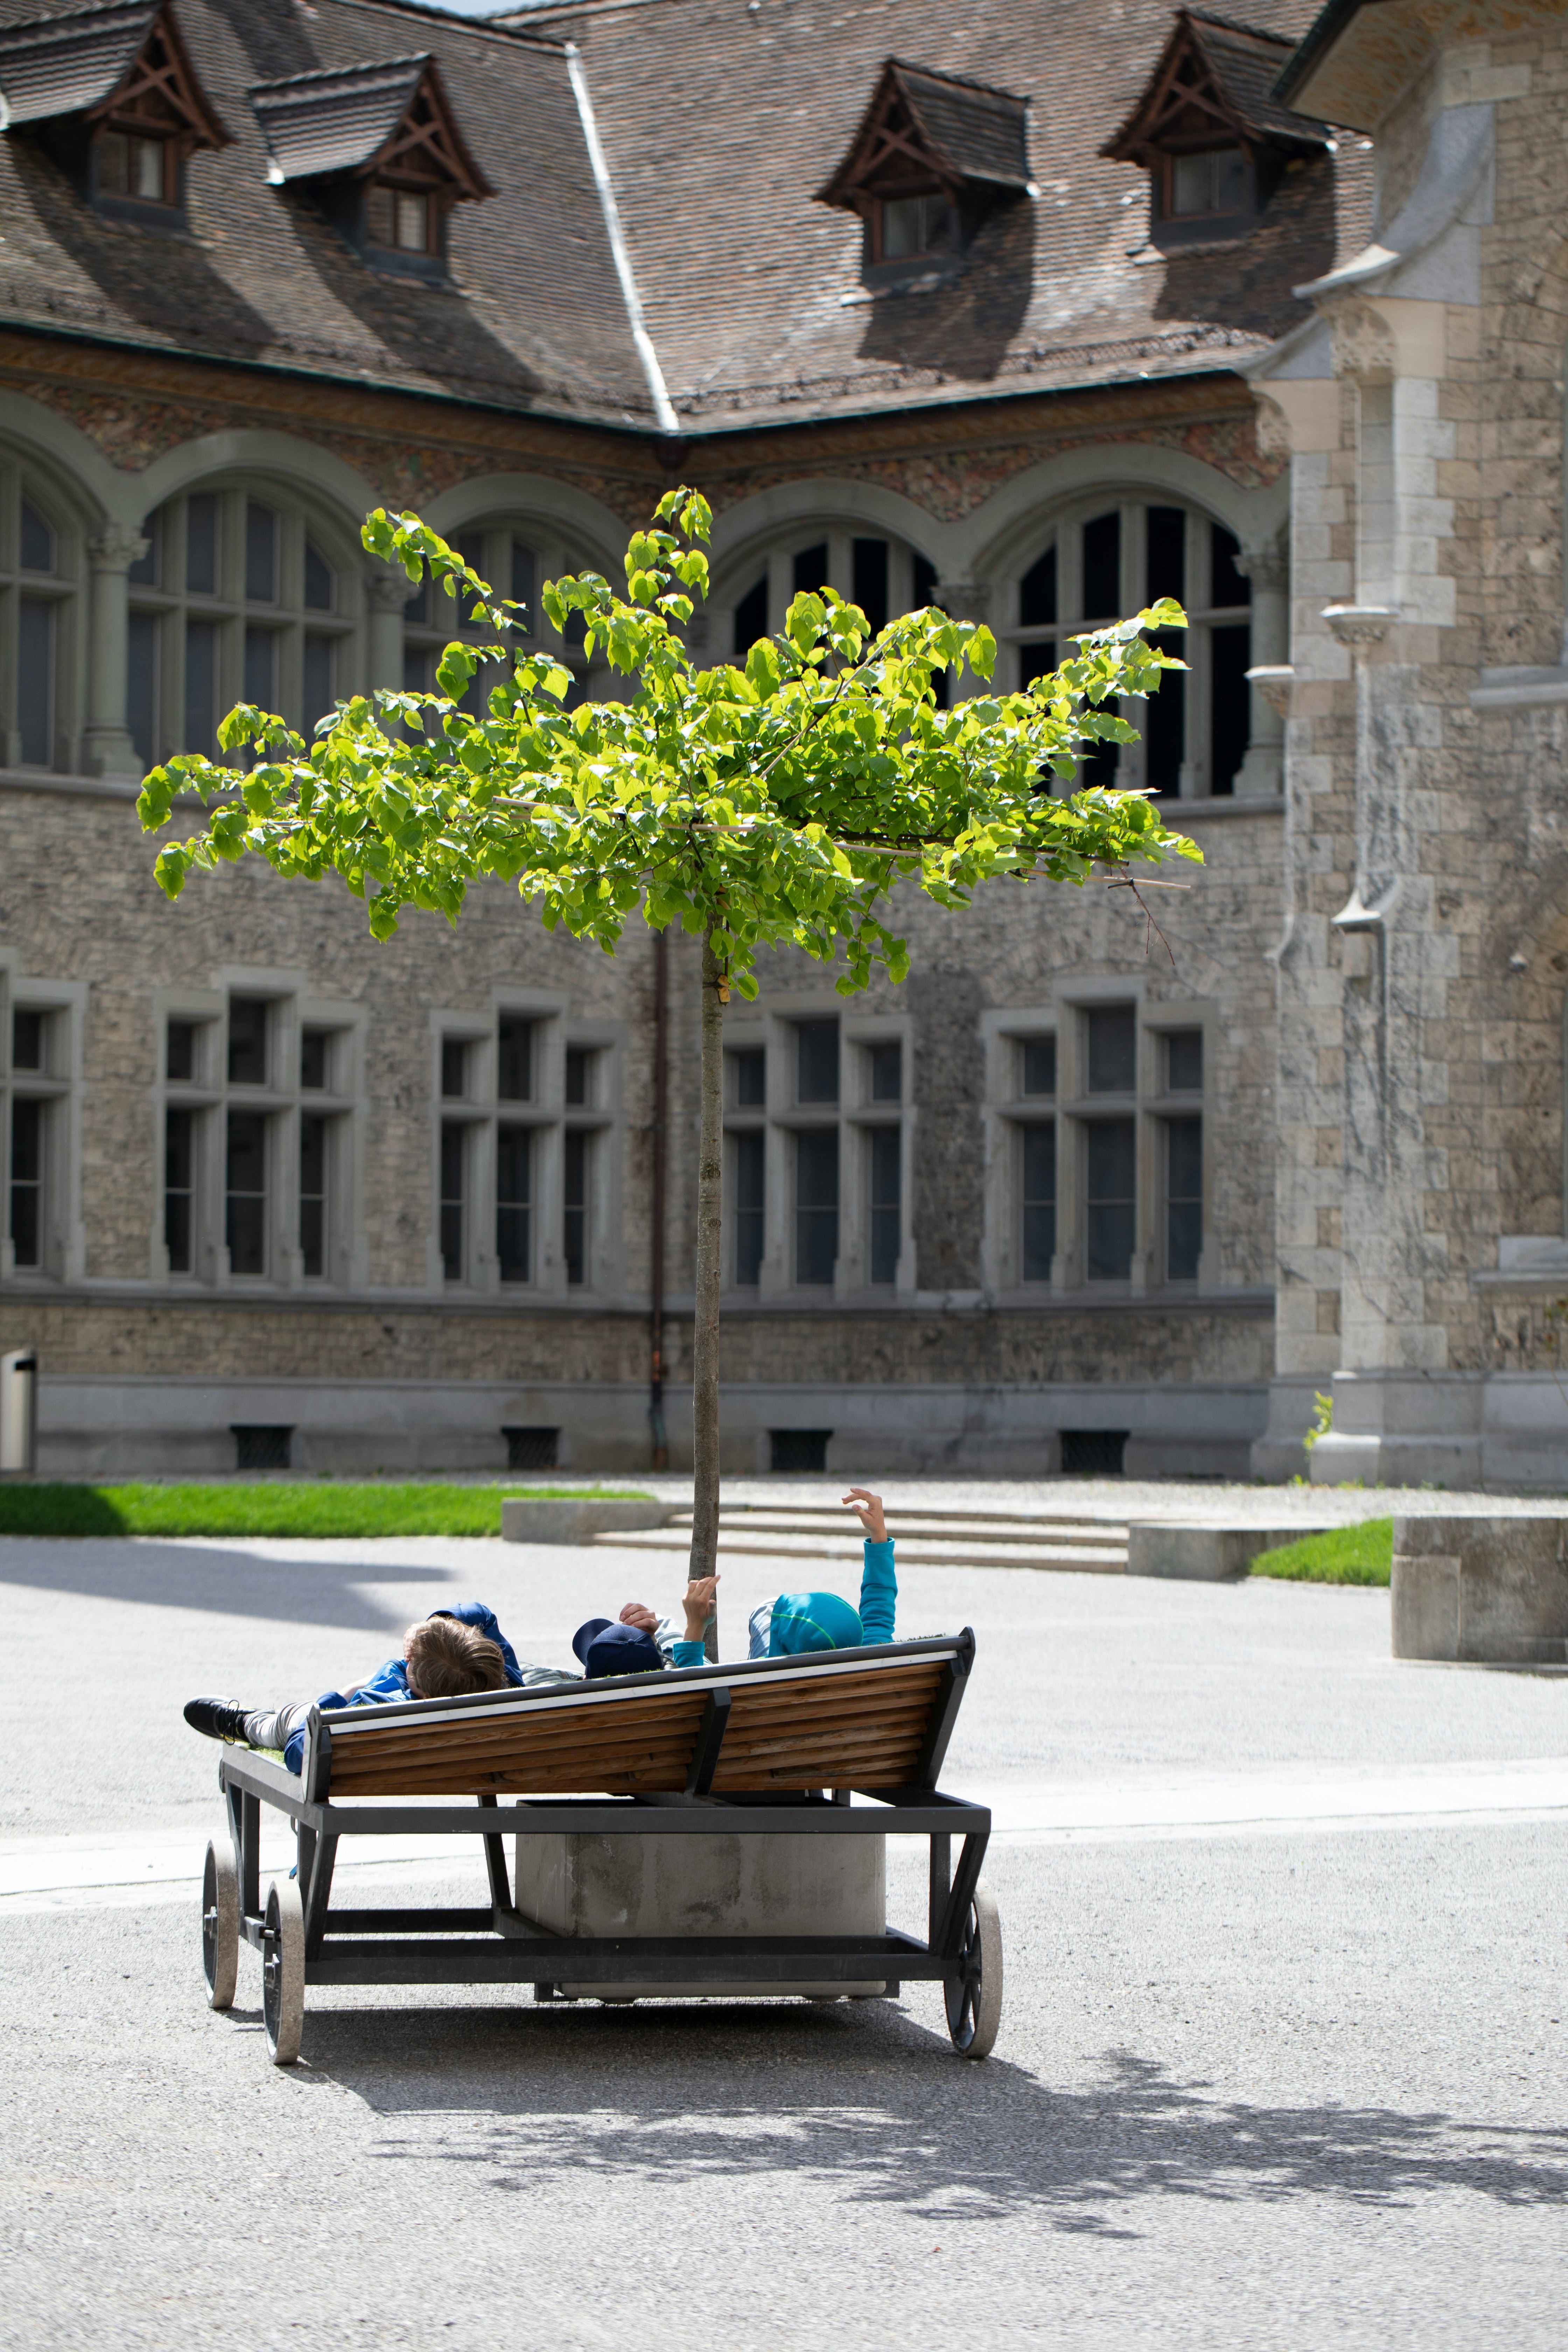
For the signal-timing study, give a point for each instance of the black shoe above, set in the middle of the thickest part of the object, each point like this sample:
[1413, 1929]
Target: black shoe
[220, 1719]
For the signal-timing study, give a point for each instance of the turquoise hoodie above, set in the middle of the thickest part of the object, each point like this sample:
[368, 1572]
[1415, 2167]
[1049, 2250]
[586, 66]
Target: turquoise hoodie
[798, 1624]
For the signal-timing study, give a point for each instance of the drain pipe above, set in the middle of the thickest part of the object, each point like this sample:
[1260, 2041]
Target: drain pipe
[660, 1086]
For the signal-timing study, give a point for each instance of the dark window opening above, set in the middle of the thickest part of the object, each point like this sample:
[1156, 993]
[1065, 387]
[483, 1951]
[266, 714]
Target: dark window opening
[453, 1204]
[146, 170]
[869, 581]
[810, 569]
[1038, 1065]
[1228, 586]
[886, 1203]
[1185, 1061]
[817, 1061]
[320, 679]
[320, 584]
[750, 1067]
[1037, 593]
[913, 226]
[1165, 546]
[816, 1206]
[1212, 183]
[797, 1449]
[37, 550]
[27, 1040]
[248, 1041]
[923, 582]
[402, 220]
[1163, 720]
[752, 617]
[514, 1061]
[314, 1046]
[143, 642]
[180, 1057]
[454, 1068]
[245, 1188]
[579, 1076]
[201, 543]
[1230, 718]
[261, 667]
[575, 1193]
[533, 1449]
[313, 1195]
[1037, 1191]
[751, 1154]
[514, 1200]
[887, 1072]
[35, 682]
[1102, 568]
[1112, 1049]
[1093, 1453]
[1110, 1198]
[262, 1445]
[26, 1180]
[179, 1186]
[200, 686]
[261, 554]
[1183, 1198]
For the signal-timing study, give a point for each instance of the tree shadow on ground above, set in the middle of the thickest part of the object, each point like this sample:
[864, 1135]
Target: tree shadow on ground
[226, 1583]
[902, 2122]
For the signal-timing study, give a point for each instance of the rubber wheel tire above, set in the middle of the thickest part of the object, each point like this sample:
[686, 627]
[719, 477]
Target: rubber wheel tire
[283, 1971]
[220, 1924]
[975, 1998]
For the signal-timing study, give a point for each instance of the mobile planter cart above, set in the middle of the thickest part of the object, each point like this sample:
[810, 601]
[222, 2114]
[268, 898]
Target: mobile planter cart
[605, 1785]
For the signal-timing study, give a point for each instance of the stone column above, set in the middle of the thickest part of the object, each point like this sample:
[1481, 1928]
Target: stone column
[106, 746]
[1268, 569]
[387, 591]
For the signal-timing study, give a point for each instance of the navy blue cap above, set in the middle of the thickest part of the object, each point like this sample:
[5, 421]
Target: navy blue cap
[608, 1649]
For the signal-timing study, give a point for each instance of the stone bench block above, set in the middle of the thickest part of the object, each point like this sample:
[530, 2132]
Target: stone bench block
[1484, 1591]
[561, 1519]
[581, 1883]
[1205, 1555]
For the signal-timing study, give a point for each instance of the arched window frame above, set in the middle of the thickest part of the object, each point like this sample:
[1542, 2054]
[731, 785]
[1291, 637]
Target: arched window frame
[1045, 643]
[912, 577]
[50, 739]
[163, 604]
[432, 619]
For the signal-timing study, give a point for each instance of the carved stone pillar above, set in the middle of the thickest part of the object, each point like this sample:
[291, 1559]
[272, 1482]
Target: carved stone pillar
[106, 746]
[388, 591]
[1268, 569]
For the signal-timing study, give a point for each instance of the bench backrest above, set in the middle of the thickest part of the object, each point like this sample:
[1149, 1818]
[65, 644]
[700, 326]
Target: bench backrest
[876, 1719]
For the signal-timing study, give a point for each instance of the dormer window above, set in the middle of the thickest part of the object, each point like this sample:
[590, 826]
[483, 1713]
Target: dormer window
[376, 149]
[1209, 134]
[111, 93]
[933, 157]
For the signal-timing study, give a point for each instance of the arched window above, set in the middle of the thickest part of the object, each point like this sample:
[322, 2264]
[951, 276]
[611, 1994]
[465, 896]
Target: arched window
[884, 577]
[40, 562]
[1104, 562]
[240, 597]
[516, 556]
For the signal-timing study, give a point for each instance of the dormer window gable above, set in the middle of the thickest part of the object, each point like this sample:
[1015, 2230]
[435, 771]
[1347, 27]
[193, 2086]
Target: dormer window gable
[932, 156]
[377, 149]
[1209, 133]
[111, 93]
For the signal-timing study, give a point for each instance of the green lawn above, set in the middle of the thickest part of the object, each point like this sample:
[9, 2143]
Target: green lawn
[279, 1509]
[1358, 1555]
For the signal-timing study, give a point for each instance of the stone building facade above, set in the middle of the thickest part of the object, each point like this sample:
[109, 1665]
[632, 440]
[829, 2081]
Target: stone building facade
[1068, 1198]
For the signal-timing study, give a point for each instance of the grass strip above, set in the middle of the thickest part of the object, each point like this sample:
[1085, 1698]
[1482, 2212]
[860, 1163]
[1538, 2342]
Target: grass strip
[66, 1508]
[1359, 1555]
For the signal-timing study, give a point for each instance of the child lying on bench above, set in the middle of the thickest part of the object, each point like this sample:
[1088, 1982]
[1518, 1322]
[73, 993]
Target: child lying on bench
[447, 1656]
[795, 1623]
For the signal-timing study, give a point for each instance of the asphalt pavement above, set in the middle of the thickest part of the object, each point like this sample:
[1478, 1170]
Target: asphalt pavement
[1282, 2061]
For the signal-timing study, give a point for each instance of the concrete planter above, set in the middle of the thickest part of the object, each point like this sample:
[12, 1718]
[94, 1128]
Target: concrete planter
[564, 1520]
[1205, 1555]
[726, 1884]
[1482, 1590]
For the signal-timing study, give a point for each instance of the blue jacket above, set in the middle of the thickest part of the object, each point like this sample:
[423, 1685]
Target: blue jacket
[879, 1600]
[390, 1682]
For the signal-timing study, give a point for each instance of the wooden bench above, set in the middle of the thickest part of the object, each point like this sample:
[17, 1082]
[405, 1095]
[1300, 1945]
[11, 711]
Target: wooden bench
[774, 1747]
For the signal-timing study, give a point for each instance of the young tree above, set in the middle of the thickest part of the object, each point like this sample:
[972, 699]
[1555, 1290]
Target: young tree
[781, 801]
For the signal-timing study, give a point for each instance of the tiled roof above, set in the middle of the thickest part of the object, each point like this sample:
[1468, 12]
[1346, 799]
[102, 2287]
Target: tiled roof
[982, 133]
[535, 318]
[722, 117]
[63, 64]
[320, 123]
[1247, 64]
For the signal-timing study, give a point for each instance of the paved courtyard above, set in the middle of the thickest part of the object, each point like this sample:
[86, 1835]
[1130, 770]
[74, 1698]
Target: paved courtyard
[1281, 2063]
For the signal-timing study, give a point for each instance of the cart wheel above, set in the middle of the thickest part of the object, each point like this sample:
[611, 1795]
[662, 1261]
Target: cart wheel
[220, 1924]
[975, 2001]
[283, 1970]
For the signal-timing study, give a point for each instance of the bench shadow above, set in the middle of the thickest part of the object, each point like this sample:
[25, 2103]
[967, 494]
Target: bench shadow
[226, 1583]
[901, 2121]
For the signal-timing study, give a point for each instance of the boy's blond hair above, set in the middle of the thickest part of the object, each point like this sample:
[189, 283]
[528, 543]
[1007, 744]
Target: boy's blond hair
[447, 1659]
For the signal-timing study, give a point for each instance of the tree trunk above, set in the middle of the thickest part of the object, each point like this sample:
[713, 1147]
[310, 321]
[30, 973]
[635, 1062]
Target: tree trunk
[709, 1243]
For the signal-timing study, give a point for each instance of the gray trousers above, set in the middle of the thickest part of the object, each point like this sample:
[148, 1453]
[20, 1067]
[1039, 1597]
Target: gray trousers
[269, 1727]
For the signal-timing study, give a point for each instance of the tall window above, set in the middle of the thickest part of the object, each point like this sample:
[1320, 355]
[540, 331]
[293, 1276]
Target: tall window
[35, 1066]
[814, 1158]
[38, 557]
[1101, 566]
[516, 559]
[884, 577]
[256, 1114]
[510, 1144]
[746, 1161]
[1183, 1155]
[237, 599]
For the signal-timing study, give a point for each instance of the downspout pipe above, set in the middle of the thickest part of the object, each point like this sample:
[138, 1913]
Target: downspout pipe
[660, 1092]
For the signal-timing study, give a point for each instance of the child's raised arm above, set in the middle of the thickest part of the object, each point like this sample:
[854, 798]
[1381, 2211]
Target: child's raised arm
[878, 1584]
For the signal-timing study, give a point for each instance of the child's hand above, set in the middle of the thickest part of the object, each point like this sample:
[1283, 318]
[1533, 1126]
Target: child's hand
[700, 1595]
[638, 1613]
[867, 1509]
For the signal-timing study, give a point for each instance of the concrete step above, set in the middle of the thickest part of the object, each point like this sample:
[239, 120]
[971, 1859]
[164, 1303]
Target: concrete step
[1048, 1550]
[942, 1527]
